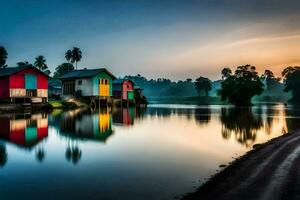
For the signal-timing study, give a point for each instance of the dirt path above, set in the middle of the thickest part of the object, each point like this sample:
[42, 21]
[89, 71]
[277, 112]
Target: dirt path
[270, 171]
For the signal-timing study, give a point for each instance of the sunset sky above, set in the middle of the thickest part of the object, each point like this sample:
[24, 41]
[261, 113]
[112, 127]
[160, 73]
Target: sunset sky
[173, 39]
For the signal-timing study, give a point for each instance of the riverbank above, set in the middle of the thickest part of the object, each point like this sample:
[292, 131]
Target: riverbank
[62, 104]
[269, 171]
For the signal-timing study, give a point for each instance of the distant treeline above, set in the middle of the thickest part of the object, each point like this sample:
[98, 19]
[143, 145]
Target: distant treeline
[163, 87]
[238, 87]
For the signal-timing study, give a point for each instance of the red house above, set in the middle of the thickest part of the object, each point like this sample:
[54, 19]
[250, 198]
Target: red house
[23, 84]
[123, 89]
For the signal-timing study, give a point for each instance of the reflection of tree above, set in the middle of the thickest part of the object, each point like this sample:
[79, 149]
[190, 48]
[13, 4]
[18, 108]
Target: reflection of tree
[140, 112]
[270, 112]
[73, 154]
[203, 115]
[160, 112]
[293, 118]
[3, 155]
[242, 123]
[40, 154]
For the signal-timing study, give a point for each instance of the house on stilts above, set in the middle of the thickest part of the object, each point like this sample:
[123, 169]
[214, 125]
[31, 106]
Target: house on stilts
[95, 84]
[23, 85]
[123, 90]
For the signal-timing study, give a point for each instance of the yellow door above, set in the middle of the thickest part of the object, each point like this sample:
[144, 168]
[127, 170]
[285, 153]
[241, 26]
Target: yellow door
[104, 87]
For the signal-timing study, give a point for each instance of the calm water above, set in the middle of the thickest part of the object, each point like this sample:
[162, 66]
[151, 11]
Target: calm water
[159, 153]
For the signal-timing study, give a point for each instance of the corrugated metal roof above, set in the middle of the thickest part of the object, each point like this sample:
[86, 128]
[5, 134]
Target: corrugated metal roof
[12, 70]
[86, 73]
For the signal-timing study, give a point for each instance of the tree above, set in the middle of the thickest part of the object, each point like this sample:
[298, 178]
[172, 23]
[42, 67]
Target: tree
[3, 57]
[24, 64]
[226, 72]
[272, 82]
[268, 74]
[76, 55]
[68, 55]
[239, 88]
[40, 63]
[203, 84]
[63, 69]
[189, 80]
[291, 77]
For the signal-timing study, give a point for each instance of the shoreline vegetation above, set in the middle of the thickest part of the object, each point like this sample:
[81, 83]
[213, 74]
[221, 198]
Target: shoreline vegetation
[268, 171]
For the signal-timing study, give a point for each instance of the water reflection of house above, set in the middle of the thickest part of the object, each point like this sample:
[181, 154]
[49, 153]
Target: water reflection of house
[24, 132]
[124, 116]
[81, 125]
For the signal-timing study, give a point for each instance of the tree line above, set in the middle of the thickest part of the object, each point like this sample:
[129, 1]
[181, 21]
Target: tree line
[238, 87]
[72, 56]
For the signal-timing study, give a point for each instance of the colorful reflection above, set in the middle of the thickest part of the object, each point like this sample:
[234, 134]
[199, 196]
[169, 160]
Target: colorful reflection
[24, 132]
[124, 116]
[86, 125]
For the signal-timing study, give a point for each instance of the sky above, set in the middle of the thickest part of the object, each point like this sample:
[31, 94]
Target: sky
[175, 39]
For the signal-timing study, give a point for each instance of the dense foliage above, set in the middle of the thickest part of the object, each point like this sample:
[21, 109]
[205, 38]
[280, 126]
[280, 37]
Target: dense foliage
[40, 63]
[74, 55]
[3, 57]
[272, 83]
[292, 82]
[240, 87]
[24, 64]
[163, 87]
[63, 69]
[203, 84]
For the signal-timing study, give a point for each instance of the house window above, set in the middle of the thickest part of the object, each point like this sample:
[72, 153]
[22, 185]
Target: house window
[79, 82]
[106, 81]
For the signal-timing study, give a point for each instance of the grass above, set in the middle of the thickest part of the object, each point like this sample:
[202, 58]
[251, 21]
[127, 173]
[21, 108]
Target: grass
[61, 104]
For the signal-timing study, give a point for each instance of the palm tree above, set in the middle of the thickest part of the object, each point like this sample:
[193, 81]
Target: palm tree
[76, 55]
[68, 55]
[40, 63]
[3, 57]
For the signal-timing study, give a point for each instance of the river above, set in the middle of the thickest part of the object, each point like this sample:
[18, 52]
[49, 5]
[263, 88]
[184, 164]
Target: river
[161, 152]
